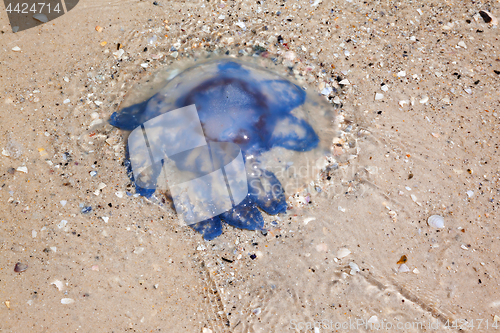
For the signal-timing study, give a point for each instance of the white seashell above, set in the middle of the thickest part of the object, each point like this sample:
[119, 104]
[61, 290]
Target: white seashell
[343, 252]
[436, 221]
[67, 301]
[403, 268]
[354, 268]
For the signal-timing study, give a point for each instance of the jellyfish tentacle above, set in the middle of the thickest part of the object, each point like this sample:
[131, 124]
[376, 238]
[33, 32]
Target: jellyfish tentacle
[266, 191]
[245, 215]
[210, 228]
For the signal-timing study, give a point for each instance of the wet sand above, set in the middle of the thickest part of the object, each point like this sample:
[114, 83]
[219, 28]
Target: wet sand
[428, 146]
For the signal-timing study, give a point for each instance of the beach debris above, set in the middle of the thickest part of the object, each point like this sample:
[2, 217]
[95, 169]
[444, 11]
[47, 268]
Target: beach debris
[22, 169]
[354, 268]
[20, 267]
[402, 260]
[435, 221]
[308, 219]
[41, 18]
[342, 253]
[403, 268]
[488, 17]
[378, 96]
[86, 209]
[16, 49]
[470, 193]
[67, 301]
[62, 224]
[59, 284]
[241, 25]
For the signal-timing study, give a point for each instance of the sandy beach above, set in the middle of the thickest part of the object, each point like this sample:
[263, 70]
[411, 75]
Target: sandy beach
[418, 135]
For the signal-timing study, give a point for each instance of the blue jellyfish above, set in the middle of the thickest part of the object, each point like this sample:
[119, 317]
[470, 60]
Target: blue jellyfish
[240, 103]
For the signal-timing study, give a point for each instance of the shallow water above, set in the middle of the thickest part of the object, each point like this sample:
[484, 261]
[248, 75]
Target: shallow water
[138, 270]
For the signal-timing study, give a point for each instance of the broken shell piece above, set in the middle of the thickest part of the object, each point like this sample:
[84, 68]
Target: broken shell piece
[41, 17]
[59, 285]
[354, 268]
[424, 100]
[308, 219]
[378, 96]
[343, 252]
[403, 268]
[22, 169]
[20, 267]
[16, 49]
[67, 301]
[488, 17]
[435, 221]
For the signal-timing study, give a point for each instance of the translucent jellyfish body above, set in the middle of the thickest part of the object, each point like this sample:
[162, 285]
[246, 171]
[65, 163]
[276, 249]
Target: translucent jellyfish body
[224, 138]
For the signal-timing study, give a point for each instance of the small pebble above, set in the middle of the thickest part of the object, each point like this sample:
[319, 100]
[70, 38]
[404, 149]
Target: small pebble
[62, 224]
[488, 17]
[384, 87]
[378, 96]
[470, 193]
[86, 209]
[326, 91]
